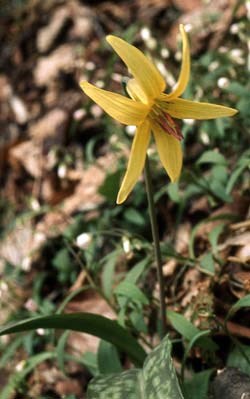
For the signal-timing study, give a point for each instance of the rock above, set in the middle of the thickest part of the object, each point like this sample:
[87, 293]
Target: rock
[46, 132]
[82, 21]
[231, 383]
[27, 155]
[19, 109]
[50, 129]
[48, 68]
[47, 36]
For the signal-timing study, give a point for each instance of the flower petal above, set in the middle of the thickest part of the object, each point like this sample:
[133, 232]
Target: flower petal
[121, 108]
[185, 67]
[136, 161]
[170, 152]
[143, 70]
[185, 109]
[135, 91]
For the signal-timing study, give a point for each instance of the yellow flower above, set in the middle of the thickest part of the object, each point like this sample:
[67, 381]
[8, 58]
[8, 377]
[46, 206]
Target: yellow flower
[150, 109]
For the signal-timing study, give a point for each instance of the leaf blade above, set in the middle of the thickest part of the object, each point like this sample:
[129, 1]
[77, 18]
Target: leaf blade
[89, 323]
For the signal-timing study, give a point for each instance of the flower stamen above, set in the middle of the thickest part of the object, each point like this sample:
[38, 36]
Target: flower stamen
[164, 120]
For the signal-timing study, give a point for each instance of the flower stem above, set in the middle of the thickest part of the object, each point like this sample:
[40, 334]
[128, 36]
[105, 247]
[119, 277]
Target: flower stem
[155, 234]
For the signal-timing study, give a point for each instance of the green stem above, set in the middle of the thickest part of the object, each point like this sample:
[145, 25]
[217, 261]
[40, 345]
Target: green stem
[155, 234]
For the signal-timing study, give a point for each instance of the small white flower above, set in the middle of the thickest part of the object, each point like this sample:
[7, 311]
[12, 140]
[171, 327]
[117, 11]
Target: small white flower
[100, 83]
[165, 53]
[213, 66]
[117, 77]
[130, 129]
[90, 66]
[188, 27]
[34, 204]
[223, 82]
[62, 171]
[126, 245]
[189, 122]
[234, 29]
[40, 331]
[145, 33]
[20, 365]
[151, 43]
[205, 138]
[26, 264]
[83, 240]
[79, 114]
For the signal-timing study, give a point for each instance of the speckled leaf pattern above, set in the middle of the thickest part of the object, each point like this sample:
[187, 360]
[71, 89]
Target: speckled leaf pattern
[157, 379]
[115, 386]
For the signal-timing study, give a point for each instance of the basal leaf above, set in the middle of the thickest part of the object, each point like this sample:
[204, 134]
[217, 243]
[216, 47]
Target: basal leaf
[89, 323]
[158, 375]
[115, 386]
[157, 379]
[197, 386]
[108, 358]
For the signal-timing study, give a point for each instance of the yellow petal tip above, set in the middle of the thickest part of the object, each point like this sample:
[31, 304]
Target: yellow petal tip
[111, 38]
[83, 85]
[234, 111]
[120, 198]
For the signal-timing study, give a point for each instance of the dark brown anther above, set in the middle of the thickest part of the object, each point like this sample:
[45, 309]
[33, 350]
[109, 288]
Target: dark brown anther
[169, 126]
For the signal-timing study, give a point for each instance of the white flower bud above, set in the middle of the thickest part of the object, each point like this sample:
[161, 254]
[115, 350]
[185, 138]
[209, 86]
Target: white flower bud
[83, 240]
[223, 82]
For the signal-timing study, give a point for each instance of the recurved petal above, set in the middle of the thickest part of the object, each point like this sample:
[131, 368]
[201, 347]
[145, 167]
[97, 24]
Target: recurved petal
[135, 91]
[185, 109]
[136, 161]
[185, 67]
[143, 70]
[121, 108]
[170, 152]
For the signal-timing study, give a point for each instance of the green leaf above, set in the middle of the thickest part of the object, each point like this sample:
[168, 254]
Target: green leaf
[132, 292]
[197, 387]
[207, 263]
[236, 174]
[241, 303]
[218, 190]
[89, 359]
[89, 323]
[189, 331]
[108, 358]
[211, 156]
[61, 350]
[134, 217]
[110, 186]
[8, 351]
[238, 89]
[133, 275]
[108, 273]
[137, 319]
[238, 360]
[157, 379]
[173, 192]
[214, 236]
[115, 386]
[182, 325]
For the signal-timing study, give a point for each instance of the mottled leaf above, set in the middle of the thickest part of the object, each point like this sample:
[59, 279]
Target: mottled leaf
[157, 379]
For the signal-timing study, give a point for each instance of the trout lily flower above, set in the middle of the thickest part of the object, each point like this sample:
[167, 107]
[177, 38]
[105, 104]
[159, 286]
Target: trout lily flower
[152, 110]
